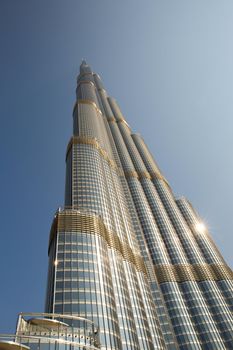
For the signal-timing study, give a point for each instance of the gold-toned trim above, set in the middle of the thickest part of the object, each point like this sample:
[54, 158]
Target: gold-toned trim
[93, 142]
[131, 173]
[83, 74]
[165, 273]
[91, 82]
[157, 175]
[87, 102]
[85, 82]
[111, 119]
[143, 174]
[203, 272]
[140, 265]
[222, 271]
[101, 89]
[97, 75]
[196, 272]
[124, 122]
[70, 220]
[120, 120]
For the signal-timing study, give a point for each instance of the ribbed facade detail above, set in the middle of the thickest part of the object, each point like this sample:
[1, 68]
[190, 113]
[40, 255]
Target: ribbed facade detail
[124, 253]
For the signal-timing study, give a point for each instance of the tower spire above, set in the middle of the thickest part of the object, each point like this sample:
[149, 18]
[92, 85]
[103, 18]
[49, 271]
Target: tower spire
[84, 67]
[83, 62]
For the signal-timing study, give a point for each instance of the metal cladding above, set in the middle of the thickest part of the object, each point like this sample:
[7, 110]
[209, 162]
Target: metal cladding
[124, 252]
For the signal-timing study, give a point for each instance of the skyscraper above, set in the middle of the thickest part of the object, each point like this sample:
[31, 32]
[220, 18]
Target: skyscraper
[130, 266]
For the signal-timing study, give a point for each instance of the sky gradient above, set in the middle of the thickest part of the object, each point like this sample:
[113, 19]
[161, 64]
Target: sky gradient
[168, 64]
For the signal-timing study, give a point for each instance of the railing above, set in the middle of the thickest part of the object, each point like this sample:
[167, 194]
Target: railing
[45, 331]
[23, 342]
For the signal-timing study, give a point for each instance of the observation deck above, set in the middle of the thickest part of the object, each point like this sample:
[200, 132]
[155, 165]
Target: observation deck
[45, 331]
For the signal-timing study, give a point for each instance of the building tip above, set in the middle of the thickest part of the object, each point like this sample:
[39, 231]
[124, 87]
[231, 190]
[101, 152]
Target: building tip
[83, 62]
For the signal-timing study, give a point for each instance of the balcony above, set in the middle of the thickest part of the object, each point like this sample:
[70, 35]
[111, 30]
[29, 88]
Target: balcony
[43, 331]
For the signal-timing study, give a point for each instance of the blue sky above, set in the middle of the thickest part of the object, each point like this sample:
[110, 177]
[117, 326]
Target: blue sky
[169, 65]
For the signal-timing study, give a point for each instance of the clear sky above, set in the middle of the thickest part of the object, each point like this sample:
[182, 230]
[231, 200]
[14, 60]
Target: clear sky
[169, 65]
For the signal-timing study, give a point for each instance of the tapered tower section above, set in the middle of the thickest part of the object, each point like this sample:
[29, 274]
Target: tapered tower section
[99, 272]
[131, 267]
[124, 252]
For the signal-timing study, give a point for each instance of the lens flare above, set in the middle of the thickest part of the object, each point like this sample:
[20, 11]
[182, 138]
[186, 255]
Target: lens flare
[200, 227]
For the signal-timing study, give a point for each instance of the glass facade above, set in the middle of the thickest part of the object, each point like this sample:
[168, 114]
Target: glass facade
[131, 267]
